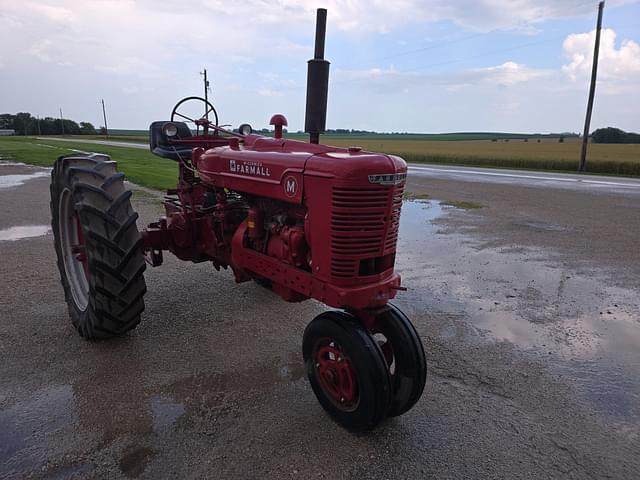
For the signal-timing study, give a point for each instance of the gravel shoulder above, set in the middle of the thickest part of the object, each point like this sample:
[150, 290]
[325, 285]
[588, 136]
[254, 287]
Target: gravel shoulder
[211, 384]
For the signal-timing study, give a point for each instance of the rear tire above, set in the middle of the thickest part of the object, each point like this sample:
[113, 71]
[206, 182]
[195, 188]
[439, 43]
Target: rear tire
[98, 245]
[347, 371]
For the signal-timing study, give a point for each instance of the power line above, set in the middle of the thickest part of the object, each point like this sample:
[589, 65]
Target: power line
[458, 40]
[411, 52]
[473, 57]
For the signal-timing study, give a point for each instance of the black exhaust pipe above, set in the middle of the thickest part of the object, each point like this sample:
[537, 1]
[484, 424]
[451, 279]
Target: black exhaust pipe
[317, 83]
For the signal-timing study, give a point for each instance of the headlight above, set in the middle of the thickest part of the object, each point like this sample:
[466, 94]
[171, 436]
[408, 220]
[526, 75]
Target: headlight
[170, 129]
[245, 129]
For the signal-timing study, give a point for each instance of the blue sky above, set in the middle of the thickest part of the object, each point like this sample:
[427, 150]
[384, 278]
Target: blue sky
[420, 66]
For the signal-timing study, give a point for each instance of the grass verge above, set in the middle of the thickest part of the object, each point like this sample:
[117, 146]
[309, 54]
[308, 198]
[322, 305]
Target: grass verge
[138, 165]
[463, 204]
[410, 196]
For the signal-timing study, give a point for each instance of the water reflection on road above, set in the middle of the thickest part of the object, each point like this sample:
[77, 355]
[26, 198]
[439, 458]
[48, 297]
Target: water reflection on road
[587, 327]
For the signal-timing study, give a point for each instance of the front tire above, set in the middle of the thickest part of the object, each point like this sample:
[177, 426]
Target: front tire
[98, 246]
[347, 371]
[405, 357]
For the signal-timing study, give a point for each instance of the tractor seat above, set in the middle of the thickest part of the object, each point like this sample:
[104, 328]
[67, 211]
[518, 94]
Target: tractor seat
[160, 145]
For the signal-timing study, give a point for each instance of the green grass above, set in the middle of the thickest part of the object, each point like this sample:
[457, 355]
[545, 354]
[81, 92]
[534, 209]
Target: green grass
[463, 204]
[410, 196]
[113, 138]
[138, 165]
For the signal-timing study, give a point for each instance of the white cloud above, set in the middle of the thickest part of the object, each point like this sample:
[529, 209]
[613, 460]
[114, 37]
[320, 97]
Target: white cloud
[618, 68]
[52, 12]
[504, 75]
[480, 15]
[509, 73]
[267, 92]
[72, 52]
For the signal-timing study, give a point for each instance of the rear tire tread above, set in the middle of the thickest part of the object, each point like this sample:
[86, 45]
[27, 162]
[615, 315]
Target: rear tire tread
[113, 245]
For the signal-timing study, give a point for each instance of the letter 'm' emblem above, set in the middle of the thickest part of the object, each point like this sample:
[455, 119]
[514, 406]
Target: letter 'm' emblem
[290, 186]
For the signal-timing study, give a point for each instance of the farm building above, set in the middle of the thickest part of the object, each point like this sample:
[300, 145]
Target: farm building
[7, 131]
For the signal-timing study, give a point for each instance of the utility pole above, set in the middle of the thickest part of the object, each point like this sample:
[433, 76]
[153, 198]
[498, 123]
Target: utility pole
[61, 121]
[592, 91]
[38, 119]
[104, 115]
[206, 94]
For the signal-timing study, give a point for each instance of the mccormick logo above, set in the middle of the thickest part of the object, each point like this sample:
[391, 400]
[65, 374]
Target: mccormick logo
[249, 168]
[290, 186]
[388, 179]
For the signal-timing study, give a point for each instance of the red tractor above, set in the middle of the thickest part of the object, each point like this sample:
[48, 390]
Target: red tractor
[303, 219]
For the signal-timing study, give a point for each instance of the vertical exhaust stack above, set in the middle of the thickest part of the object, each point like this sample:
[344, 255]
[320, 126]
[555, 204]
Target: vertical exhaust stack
[317, 83]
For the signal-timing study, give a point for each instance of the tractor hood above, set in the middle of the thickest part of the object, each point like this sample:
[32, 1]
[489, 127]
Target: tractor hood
[275, 167]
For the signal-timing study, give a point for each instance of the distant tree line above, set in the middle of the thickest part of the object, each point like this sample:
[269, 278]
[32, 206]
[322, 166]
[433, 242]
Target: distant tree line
[26, 124]
[351, 131]
[614, 135]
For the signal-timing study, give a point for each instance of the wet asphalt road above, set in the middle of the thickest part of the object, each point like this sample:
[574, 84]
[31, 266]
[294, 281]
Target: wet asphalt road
[532, 349]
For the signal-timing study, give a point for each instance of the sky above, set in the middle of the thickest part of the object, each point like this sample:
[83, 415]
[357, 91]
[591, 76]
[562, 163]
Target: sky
[401, 66]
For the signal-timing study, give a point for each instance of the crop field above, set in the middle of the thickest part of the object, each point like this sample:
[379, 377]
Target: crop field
[618, 159]
[510, 151]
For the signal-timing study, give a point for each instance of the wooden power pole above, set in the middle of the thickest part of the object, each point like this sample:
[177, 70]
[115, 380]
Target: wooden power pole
[206, 94]
[592, 91]
[104, 115]
[61, 122]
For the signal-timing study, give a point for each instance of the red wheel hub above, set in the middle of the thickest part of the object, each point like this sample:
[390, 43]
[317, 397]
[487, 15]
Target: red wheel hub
[336, 375]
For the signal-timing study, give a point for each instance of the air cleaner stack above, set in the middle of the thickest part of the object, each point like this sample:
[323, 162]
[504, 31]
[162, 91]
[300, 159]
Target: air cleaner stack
[317, 83]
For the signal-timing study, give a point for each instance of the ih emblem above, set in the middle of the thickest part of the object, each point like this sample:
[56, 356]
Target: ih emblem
[388, 179]
[290, 186]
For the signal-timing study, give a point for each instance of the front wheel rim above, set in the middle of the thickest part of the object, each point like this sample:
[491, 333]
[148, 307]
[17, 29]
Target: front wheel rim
[73, 247]
[336, 375]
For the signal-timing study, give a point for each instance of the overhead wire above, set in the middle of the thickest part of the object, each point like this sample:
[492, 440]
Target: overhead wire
[458, 40]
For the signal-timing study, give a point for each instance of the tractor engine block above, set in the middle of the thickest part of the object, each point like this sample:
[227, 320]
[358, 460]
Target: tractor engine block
[277, 229]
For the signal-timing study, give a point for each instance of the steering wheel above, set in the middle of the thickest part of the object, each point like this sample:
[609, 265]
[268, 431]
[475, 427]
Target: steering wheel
[188, 105]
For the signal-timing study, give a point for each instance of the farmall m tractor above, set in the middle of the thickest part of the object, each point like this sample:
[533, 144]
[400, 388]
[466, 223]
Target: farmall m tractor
[303, 219]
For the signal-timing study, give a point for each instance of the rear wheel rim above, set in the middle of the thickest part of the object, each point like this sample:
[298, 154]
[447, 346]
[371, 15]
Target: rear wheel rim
[336, 375]
[73, 247]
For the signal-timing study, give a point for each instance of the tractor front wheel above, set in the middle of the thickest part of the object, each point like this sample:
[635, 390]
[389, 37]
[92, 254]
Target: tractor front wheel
[405, 357]
[347, 371]
[98, 246]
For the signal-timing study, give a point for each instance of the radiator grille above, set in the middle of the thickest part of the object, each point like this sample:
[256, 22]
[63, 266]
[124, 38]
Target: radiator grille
[364, 224]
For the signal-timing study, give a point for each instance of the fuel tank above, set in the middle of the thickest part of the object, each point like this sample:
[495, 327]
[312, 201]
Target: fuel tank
[263, 166]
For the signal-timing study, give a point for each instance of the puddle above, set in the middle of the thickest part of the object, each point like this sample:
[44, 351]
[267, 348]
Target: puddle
[77, 470]
[25, 426]
[206, 397]
[165, 413]
[9, 163]
[520, 295]
[12, 234]
[542, 226]
[10, 181]
[523, 296]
